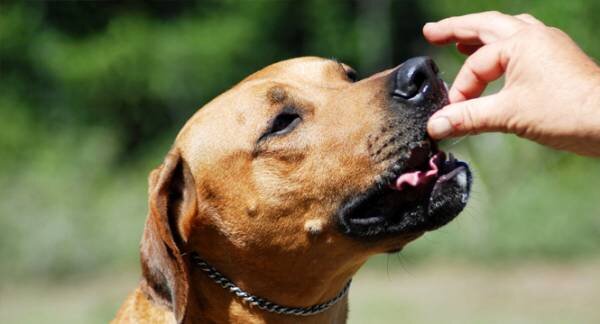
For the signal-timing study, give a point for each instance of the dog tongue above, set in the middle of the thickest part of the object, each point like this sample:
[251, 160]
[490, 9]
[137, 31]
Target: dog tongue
[418, 178]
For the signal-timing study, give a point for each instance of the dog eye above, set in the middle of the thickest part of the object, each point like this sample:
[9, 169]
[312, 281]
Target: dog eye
[284, 123]
[351, 74]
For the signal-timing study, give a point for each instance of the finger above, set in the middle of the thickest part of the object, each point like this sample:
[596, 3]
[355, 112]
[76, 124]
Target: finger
[482, 28]
[467, 49]
[474, 116]
[529, 19]
[482, 67]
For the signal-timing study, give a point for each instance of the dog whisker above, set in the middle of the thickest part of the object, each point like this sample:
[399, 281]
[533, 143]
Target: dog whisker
[458, 140]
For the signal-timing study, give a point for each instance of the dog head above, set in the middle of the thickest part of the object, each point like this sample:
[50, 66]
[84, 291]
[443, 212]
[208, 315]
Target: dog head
[303, 170]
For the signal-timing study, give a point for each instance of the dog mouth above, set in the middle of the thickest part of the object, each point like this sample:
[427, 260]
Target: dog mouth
[429, 191]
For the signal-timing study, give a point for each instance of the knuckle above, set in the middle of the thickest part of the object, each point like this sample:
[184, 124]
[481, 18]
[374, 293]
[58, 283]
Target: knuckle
[532, 32]
[543, 35]
[468, 122]
[526, 16]
[514, 126]
[556, 32]
[539, 30]
[472, 68]
[493, 13]
[493, 16]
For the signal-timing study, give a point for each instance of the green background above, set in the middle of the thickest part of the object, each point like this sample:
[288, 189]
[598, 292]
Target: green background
[93, 93]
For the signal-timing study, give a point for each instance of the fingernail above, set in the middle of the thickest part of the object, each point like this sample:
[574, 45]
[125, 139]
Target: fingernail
[429, 25]
[440, 127]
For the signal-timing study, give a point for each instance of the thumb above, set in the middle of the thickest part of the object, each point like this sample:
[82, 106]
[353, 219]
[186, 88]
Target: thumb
[472, 116]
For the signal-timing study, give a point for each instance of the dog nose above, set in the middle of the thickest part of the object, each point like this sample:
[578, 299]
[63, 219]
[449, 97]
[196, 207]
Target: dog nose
[415, 78]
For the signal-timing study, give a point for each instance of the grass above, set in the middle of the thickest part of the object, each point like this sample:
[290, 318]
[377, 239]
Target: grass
[434, 292]
[446, 292]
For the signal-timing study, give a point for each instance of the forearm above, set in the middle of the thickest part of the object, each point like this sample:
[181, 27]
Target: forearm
[595, 106]
[591, 117]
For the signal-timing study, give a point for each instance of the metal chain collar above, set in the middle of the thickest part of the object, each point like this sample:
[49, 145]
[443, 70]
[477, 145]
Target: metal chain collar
[262, 303]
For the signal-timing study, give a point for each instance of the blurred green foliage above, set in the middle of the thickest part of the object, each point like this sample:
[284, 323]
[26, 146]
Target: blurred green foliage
[93, 93]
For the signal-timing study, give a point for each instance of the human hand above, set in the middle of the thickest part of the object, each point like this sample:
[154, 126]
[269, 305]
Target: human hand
[551, 92]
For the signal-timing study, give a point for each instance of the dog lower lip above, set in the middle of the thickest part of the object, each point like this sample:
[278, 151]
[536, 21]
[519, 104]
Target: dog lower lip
[366, 221]
[385, 211]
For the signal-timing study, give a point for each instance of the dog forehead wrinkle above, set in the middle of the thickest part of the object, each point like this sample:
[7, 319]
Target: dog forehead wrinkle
[292, 68]
[276, 94]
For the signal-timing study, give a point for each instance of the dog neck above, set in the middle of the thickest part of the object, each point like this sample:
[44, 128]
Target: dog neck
[216, 305]
[210, 302]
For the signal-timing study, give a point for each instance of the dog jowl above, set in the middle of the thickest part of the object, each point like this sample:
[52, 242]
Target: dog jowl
[277, 191]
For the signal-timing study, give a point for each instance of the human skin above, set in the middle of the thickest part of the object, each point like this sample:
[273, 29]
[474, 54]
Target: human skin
[551, 92]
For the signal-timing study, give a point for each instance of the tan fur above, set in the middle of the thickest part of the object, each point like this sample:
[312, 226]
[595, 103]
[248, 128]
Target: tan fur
[261, 213]
[314, 226]
[138, 309]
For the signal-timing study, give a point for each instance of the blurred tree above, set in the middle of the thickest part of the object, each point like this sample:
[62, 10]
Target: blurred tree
[142, 68]
[92, 94]
[90, 89]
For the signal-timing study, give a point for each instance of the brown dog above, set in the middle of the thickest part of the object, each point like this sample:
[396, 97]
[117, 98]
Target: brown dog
[286, 184]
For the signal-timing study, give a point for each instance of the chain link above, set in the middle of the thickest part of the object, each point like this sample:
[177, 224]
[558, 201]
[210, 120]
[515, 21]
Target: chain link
[262, 303]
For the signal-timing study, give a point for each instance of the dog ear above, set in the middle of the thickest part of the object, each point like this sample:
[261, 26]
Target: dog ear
[172, 196]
